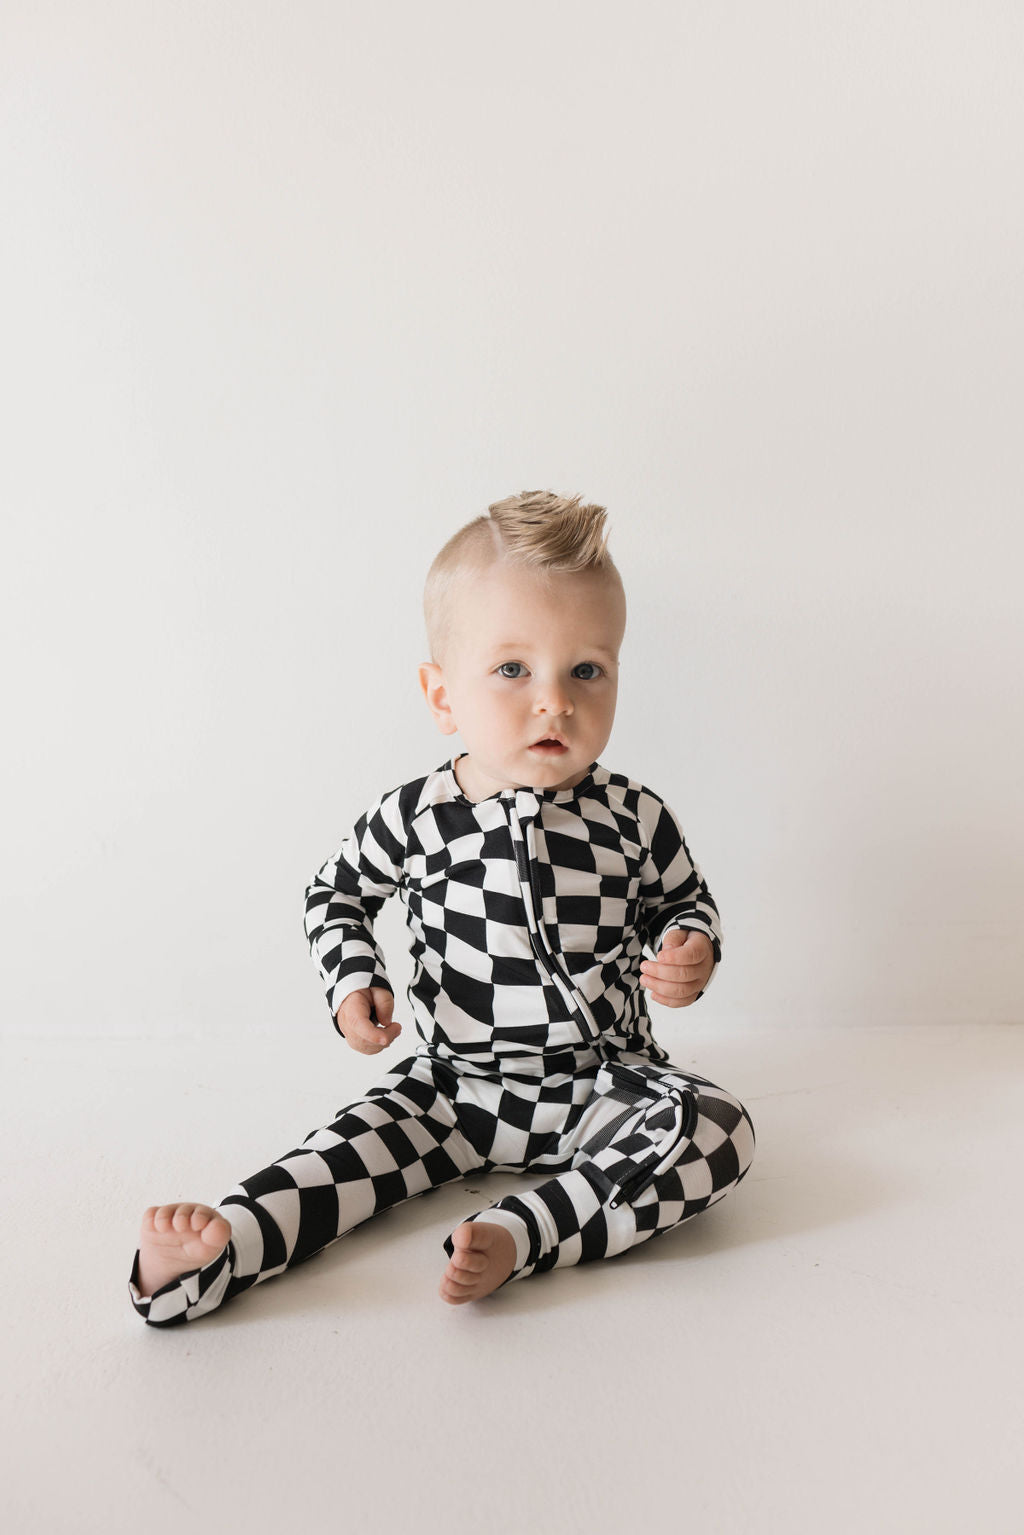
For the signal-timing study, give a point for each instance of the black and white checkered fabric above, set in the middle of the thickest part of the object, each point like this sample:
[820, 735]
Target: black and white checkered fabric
[630, 1149]
[528, 911]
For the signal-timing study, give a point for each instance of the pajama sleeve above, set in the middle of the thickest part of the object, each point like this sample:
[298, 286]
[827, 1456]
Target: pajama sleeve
[344, 897]
[672, 888]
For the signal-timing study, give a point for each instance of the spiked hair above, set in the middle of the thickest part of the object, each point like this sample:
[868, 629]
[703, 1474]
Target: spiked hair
[536, 529]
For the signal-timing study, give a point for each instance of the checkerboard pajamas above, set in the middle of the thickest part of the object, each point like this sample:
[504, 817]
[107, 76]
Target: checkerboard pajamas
[529, 913]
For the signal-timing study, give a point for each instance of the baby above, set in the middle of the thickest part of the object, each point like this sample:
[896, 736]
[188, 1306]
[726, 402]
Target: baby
[534, 879]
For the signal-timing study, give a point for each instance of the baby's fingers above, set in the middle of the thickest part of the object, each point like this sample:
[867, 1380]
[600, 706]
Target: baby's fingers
[368, 1039]
[359, 1026]
[677, 993]
[383, 1034]
[383, 1027]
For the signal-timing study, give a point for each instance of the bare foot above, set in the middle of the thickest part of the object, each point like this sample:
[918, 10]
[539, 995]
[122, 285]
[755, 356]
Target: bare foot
[176, 1238]
[484, 1257]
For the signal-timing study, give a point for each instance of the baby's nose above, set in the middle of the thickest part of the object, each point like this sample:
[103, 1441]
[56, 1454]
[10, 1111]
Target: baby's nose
[554, 699]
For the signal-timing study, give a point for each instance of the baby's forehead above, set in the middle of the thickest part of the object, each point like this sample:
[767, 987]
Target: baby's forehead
[516, 608]
[509, 586]
[519, 637]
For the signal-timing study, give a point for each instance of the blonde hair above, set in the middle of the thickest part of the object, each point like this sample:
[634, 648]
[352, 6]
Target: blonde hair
[536, 529]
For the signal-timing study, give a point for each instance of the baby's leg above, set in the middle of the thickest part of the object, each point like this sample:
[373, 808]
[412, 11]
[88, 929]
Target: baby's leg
[398, 1141]
[580, 1215]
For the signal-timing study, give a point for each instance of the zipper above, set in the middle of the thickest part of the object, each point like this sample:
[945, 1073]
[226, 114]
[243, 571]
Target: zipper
[641, 1091]
[630, 1187]
[538, 937]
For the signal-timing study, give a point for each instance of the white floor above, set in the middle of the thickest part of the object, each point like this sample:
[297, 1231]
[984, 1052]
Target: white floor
[835, 1347]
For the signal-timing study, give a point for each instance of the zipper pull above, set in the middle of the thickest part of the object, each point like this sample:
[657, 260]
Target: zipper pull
[635, 1183]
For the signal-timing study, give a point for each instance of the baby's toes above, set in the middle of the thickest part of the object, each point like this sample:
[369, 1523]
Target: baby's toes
[183, 1217]
[213, 1230]
[462, 1281]
[469, 1261]
[462, 1276]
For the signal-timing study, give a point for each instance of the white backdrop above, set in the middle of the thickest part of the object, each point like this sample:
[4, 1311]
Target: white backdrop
[291, 291]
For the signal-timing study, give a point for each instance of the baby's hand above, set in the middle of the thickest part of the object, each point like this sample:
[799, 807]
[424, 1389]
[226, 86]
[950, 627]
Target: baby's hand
[357, 1025]
[680, 972]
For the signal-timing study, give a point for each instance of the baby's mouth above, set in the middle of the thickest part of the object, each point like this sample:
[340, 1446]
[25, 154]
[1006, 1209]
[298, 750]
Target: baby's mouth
[549, 747]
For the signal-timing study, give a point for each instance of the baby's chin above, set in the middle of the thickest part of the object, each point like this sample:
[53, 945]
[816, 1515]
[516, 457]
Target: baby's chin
[532, 767]
[556, 769]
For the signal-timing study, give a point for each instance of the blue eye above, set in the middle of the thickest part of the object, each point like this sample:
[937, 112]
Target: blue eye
[593, 664]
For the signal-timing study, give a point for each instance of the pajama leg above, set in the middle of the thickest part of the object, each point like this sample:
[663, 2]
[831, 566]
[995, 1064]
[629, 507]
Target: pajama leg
[617, 1190]
[401, 1140]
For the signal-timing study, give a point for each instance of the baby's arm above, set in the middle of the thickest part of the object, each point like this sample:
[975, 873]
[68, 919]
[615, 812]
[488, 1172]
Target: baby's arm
[673, 890]
[342, 900]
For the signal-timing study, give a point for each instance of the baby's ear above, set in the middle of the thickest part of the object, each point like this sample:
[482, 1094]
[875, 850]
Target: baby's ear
[436, 693]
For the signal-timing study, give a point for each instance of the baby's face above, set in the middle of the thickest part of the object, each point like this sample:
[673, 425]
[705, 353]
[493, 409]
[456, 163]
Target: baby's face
[531, 658]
